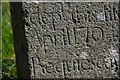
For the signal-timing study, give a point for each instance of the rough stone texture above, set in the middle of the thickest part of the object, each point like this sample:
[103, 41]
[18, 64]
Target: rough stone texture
[66, 40]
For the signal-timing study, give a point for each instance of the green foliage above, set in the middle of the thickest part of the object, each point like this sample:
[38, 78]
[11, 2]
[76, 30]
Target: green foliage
[8, 56]
[8, 68]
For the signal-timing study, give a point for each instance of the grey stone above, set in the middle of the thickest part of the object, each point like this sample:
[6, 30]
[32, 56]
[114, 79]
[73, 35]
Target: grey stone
[66, 40]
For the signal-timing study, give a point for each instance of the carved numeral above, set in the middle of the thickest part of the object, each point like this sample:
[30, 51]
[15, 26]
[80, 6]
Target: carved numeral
[97, 33]
[80, 35]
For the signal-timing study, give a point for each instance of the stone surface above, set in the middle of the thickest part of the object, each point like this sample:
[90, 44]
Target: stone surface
[66, 40]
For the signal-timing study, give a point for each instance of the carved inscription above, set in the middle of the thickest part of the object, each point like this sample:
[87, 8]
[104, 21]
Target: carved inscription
[72, 40]
[97, 33]
[79, 36]
[73, 66]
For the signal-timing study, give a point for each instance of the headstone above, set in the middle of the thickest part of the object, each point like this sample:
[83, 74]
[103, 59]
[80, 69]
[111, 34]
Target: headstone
[66, 40]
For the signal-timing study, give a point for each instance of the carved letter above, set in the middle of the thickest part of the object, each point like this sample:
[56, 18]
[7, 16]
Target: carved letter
[50, 67]
[85, 64]
[47, 42]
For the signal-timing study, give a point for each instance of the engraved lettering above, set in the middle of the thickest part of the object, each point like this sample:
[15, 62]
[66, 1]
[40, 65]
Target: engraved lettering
[43, 68]
[97, 33]
[115, 12]
[65, 36]
[58, 40]
[47, 42]
[80, 35]
[80, 17]
[99, 63]
[69, 65]
[85, 64]
[49, 67]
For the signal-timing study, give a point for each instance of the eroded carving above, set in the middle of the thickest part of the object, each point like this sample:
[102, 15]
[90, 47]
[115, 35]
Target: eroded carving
[72, 36]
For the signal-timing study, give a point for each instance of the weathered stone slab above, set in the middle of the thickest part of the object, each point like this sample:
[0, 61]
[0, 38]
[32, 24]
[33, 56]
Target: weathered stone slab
[66, 40]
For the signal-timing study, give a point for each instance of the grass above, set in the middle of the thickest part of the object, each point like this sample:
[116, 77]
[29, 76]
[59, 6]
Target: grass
[8, 56]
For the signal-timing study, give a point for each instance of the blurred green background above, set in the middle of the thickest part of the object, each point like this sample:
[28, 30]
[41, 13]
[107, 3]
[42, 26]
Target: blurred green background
[8, 56]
